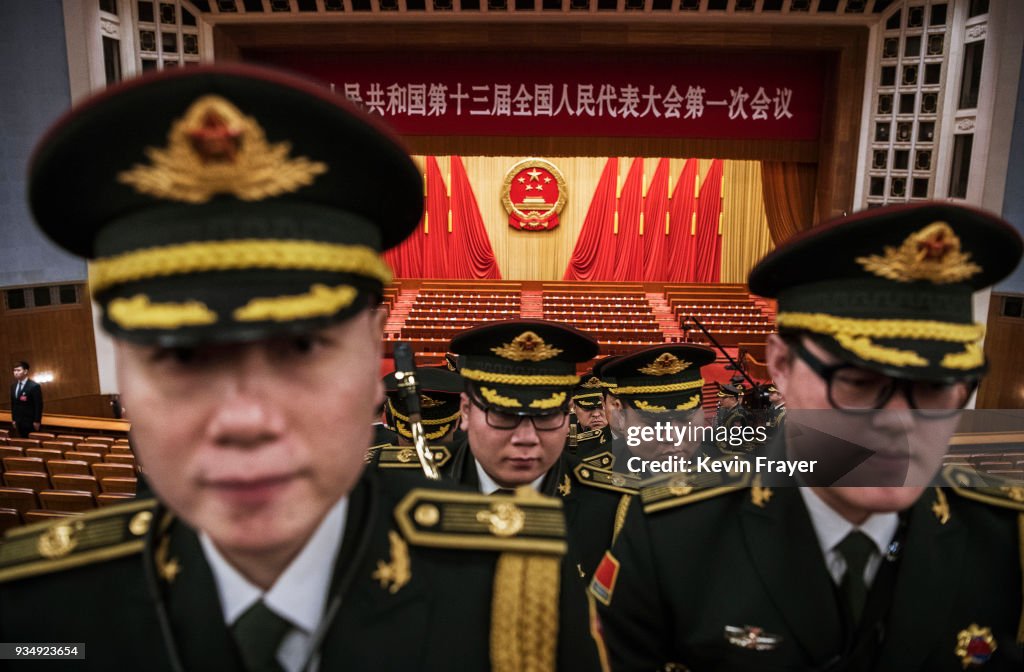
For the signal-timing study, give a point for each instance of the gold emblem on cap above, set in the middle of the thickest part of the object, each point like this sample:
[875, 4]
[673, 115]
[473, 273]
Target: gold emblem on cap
[933, 254]
[1014, 492]
[592, 383]
[427, 402]
[526, 347]
[395, 574]
[215, 149]
[666, 364]
[504, 519]
[59, 540]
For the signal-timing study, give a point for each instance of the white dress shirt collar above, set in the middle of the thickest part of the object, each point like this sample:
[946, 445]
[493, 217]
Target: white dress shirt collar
[488, 484]
[831, 528]
[298, 595]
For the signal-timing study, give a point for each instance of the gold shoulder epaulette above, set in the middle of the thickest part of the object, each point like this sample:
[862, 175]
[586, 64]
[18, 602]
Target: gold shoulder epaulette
[602, 460]
[525, 522]
[674, 490]
[404, 457]
[988, 489]
[63, 543]
[607, 480]
[588, 435]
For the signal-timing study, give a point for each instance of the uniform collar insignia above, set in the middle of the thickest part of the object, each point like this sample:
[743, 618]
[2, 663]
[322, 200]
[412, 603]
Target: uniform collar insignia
[394, 574]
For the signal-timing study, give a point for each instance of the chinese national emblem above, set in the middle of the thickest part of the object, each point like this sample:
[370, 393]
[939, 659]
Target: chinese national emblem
[534, 194]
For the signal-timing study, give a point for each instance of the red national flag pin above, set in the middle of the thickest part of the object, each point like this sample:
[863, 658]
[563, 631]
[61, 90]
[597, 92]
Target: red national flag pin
[603, 584]
[534, 194]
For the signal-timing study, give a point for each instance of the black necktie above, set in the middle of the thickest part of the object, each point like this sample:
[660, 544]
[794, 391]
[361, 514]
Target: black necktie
[17, 393]
[856, 549]
[259, 633]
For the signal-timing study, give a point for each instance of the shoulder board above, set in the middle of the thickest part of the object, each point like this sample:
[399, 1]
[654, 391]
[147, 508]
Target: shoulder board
[404, 457]
[607, 480]
[602, 460]
[986, 488]
[524, 522]
[680, 489]
[63, 543]
[588, 435]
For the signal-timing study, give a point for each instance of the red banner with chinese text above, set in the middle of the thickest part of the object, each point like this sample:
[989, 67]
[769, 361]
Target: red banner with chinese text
[748, 95]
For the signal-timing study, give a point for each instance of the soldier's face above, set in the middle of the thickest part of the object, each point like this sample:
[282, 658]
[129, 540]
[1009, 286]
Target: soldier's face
[592, 418]
[512, 457]
[253, 443]
[874, 451]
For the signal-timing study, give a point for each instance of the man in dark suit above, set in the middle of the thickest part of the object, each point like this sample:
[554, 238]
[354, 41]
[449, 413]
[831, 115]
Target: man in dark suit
[235, 233]
[863, 566]
[26, 401]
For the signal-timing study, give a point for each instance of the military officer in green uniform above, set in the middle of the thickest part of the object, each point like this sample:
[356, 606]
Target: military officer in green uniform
[234, 218]
[440, 392]
[590, 436]
[875, 334]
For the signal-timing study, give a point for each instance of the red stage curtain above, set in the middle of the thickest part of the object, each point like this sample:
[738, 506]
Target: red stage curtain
[629, 253]
[709, 210]
[593, 258]
[654, 234]
[470, 254]
[682, 234]
[406, 259]
[436, 255]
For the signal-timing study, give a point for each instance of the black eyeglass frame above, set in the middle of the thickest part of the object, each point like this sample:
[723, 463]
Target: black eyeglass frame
[563, 411]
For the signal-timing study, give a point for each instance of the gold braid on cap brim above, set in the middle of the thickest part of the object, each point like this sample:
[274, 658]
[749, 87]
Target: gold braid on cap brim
[642, 405]
[658, 389]
[588, 395]
[856, 334]
[493, 396]
[433, 421]
[139, 312]
[402, 429]
[236, 255]
[524, 613]
[518, 379]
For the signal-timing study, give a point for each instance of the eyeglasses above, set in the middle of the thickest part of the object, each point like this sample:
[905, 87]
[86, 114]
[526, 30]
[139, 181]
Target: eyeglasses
[507, 421]
[851, 388]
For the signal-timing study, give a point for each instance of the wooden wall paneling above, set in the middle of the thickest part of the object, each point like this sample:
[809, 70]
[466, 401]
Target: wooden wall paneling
[58, 340]
[1003, 386]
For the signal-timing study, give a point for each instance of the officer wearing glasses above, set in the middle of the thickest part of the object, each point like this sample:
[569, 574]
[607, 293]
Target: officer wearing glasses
[855, 564]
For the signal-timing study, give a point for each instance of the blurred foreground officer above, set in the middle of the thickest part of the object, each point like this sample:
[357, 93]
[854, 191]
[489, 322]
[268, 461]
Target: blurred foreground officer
[875, 322]
[234, 233]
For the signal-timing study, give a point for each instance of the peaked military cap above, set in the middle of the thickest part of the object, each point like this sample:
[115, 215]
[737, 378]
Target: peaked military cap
[224, 203]
[660, 378]
[522, 367]
[729, 390]
[889, 289]
[588, 393]
[600, 371]
[440, 395]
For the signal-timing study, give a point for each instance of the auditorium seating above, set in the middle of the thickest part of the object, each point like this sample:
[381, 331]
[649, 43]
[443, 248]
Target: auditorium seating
[63, 475]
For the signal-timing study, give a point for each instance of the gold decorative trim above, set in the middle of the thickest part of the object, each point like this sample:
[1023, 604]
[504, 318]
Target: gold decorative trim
[441, 430]
[965, 637]
[657, 389]
[642, 405]
[431, 421]
[932, 254]
[216, 149]
[318, 301]
[524, 613]
[554, 401]
[495, 397]
[518, 378]
[941, 507]
[504, 519]
[139, 312]
[235, 255]
[394, 574]
[620, 515]
[666, 364]
[527, 347]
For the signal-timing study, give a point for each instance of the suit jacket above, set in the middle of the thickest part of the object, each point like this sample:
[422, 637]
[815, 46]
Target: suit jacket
[131, 616]
[31, 409]
[742, 559]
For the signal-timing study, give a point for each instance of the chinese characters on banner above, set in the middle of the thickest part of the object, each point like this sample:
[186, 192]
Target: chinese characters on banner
[741, 95]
